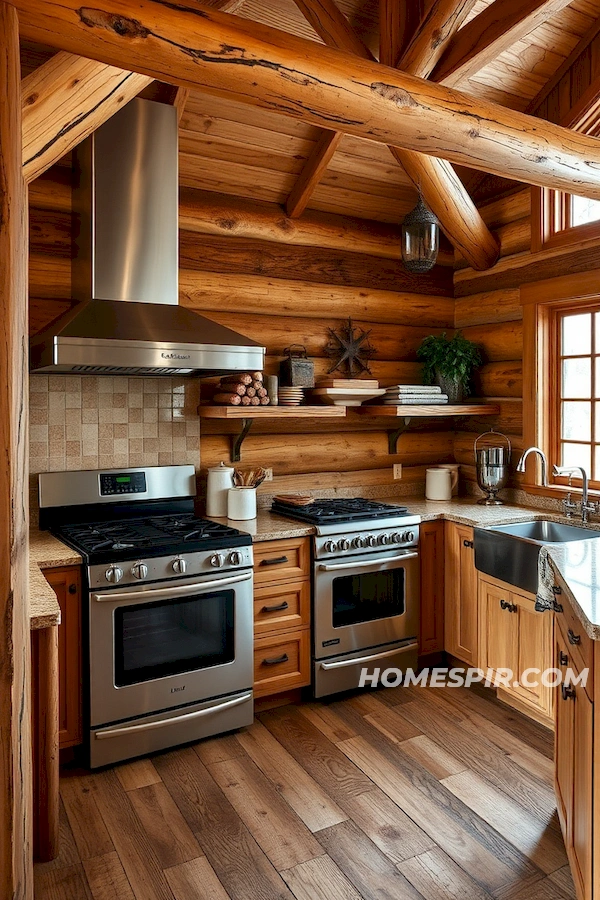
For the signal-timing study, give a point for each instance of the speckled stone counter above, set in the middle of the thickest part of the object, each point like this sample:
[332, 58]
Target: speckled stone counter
[46, 552]
[268, 526]
[577, 567]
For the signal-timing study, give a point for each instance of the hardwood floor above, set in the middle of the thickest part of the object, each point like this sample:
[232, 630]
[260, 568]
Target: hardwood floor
[408, 793]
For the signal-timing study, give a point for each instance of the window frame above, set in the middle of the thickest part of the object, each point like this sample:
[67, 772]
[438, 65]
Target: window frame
[551, 228]
[542, 303]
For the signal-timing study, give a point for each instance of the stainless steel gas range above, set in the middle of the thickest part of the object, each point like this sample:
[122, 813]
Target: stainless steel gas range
[365, 588]
[168, 608]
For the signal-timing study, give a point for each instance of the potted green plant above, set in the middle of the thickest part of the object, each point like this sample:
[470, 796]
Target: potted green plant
[449, 362]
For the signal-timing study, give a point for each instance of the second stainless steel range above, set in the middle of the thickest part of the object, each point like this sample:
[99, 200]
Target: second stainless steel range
[365, 588]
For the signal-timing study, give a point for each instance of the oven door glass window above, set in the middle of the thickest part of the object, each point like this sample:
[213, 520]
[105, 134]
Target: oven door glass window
[367, 597]
[169, 637]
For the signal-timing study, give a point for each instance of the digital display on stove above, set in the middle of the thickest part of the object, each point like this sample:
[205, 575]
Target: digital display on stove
[122, 483]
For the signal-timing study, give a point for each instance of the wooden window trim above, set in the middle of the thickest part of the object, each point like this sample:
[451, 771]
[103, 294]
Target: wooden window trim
[541, 302]
[551, 226]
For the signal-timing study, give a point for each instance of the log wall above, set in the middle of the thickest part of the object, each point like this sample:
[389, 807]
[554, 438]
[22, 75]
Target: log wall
[280, 293]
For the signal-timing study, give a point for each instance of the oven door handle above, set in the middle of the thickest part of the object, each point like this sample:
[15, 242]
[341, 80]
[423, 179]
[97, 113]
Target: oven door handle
[186, 717]
[166, 593]
[369, 562]
[342, 663]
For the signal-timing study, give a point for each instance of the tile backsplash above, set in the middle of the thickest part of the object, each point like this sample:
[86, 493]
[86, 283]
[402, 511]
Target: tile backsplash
[86, 422]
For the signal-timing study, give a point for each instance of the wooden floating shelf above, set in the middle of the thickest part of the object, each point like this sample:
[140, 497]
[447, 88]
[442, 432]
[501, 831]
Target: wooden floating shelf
[442, 409]
[271, 412]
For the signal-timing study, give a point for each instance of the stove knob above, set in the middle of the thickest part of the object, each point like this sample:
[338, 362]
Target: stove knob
[383, 539]
[371, 540]
[396, 538]
[359, 542]
[139, 570]
[179, 565]
[408, 536]
[114, 574]
[344, 544]
[236, 558]
[330, 546]
[217, 560]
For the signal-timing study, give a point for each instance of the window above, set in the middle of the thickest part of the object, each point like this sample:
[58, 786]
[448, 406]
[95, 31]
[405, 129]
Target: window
[578, 396]
[560, 219]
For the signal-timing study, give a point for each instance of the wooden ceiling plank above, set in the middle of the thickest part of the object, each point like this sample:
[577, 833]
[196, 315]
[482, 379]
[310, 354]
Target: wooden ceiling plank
[274, 70]
[64, 100]
[485, 37]
[432, 36]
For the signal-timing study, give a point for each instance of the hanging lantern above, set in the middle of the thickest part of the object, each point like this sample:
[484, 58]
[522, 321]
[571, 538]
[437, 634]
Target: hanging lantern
[420, 239]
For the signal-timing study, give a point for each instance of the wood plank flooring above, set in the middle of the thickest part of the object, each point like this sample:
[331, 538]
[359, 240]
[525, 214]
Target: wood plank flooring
[407, 793]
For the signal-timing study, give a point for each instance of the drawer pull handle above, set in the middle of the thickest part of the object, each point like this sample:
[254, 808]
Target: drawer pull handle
[573, 638]
[467, 543]
[274, 660]
[563, 659]
[276, 561]
[72, 588]
[568, 692]
[278, 608]
[556, 589]
[506, 604]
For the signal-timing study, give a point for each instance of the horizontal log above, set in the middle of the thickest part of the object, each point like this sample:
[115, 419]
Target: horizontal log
[254, 294]
[371, 478]
[488, 307]
[507, 209]
[243, 256]
[499, 342]
[339, 452]
[499, 379]
[391, 342]
[514, 237]
[52, 190]
[50, 232]
[464, 448]
[514, 271]
[42, 312]
[49, 276]
[319, 425]
[196, 48]
[509, 420]
[205, 212]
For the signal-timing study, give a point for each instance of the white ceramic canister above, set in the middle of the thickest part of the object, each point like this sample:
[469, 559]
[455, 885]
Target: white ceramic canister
[219, 481]
[439, 483]
[454, 468]
[241, 503]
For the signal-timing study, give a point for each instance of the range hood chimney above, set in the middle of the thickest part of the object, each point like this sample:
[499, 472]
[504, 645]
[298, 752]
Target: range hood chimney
[126, 260]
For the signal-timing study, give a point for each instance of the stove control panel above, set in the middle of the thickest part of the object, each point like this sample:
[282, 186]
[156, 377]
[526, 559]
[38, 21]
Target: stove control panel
[370, 539]
[170, 568]
[124, 483]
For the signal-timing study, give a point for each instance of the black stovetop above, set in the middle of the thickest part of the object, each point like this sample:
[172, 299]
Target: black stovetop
[339, 511]
[117, 539]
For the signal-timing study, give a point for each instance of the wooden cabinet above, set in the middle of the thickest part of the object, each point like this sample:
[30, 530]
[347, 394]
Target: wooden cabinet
[461, 615]
[66, 583]
[431, 623]
[281, 615]
[514, 637]
[574, 762]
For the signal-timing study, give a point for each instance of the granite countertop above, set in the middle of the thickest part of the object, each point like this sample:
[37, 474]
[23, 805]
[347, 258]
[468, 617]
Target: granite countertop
[577, 567]
[268, 526]
[46, 552]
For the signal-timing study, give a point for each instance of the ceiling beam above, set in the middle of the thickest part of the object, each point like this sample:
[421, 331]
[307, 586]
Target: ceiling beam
[484, 38]
[64, 100]
[208, 50]
[68, 97]
[432, 36]
[312, 172]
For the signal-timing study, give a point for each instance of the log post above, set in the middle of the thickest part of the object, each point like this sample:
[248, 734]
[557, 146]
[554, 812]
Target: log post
[16, 879]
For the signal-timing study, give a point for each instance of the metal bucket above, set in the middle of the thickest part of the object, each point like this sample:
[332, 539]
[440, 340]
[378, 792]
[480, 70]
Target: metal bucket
[493, 468]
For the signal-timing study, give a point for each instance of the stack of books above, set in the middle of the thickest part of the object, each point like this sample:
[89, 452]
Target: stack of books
[414, 395]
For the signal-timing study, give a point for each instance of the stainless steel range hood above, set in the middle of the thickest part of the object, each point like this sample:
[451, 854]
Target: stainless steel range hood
[125, 266]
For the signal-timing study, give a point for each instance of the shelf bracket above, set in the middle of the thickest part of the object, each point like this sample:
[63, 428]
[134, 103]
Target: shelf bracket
[238, 439]
[395, 434]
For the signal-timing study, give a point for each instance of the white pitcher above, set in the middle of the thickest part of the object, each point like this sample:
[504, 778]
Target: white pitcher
[439, 483]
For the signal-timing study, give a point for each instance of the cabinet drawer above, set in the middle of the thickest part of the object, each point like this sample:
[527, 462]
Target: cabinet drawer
[281, 560]
[281, 607]
[581, 646]
[281, 662]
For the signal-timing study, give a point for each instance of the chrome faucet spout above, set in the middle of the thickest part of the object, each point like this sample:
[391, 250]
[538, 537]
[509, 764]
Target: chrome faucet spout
[543, 461]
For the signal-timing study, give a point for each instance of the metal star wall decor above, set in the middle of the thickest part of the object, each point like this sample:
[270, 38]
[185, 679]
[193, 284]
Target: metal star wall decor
[351, 349]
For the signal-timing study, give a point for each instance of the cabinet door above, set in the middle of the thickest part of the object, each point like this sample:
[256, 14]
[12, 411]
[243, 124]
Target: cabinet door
[66, 583]
[461, 594]
[533, 651]
[563, 742]
[431, 550]
[498, 635]
[581, 826]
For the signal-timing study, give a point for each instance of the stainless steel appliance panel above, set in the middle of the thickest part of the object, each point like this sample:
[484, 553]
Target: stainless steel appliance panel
[148, 734]
[330, 640]
[343, 673]
[83, 487]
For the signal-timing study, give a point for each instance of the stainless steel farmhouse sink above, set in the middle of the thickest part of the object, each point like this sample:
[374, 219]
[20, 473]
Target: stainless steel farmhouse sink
[510, 552]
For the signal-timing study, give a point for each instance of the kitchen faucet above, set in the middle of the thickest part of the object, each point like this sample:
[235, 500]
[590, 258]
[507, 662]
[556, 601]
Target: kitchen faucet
[544, 462]
[586, 506]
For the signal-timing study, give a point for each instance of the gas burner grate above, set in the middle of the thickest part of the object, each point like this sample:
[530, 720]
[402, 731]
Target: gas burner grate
[338, 510]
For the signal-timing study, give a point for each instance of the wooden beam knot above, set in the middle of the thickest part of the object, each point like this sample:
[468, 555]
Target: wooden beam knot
[122, 26]
[399, 97]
